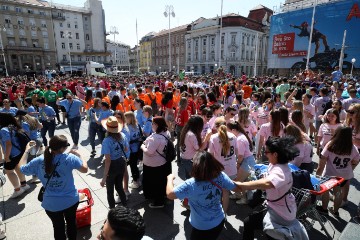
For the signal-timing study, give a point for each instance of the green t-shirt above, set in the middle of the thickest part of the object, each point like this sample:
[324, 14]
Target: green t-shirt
[50, 96]
[62, 92]
[38, 92]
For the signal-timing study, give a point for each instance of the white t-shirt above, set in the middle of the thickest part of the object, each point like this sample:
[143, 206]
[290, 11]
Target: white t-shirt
[242, 146]
[320, 104]
[190, 147]
[228, 161]
[326, 131]
[340, 165]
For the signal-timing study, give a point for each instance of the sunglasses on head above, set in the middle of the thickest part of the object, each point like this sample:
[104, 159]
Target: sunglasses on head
[350, 111]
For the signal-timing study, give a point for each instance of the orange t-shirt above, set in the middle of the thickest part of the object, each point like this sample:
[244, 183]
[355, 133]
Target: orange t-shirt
[142, 96]
[119, 107]
[106, 99]
[147, 100]
[89, 104]
[158, 97]
[176, 99]
[247, 91]
[128, 104]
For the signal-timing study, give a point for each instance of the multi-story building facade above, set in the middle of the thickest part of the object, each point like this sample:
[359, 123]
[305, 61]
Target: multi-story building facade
[242, 48]
[119, 55]
[134, 59]
[160, 50]
[80, 34]
[28, 39]
[145, 52]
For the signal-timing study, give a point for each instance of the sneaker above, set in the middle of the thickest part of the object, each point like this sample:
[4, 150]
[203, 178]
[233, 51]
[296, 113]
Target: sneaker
[344, 203]
[93, 152]
[321, 210]
[235, 196]
[336, 214]
[152, 205]
[140, 166]
[2, 234]
[242, 201]
[134, 185]
[17, 193]
[25, 187]
[127, 193]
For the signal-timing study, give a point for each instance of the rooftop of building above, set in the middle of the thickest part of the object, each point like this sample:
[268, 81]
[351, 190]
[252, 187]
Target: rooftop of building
[121, 44]
[70, 8]
[39, 3]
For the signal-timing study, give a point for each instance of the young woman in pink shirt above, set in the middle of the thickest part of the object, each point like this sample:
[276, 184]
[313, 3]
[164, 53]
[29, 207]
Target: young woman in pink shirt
[327, 129]
[338, 158]
[222, 146]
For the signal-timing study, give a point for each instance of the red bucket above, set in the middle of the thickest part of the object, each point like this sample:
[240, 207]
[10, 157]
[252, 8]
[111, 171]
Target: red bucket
[83, 212]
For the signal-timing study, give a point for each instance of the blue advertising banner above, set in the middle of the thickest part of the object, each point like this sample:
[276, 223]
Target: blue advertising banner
[290, 31]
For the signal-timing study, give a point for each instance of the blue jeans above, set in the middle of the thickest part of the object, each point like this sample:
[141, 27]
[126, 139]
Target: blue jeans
[93, 130]
[185, 168]
[74, 127]
[47, 127]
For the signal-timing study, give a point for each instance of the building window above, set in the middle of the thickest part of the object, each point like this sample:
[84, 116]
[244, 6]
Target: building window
[85, 18]
[79, 58]
[11, 41]
[232, 55]
[247, 40]
[222, 39]
[22, 32]
[78, 46]
[42, 13]
[77, 35]
[46, 45]
[35, 44]
[23, 43]
[86, 27]
[64, 57]
[88, 47]
[9, 32]
[63, 45]
[60, 14]
[33, 33]
[233, 39]
[76, 25]
[72, 57]
[87, 37]
[93, 58]
[20, 22]
[222, 54]
[61, 34]
[45, 34]
[69, 25]
[32, 22]
[61, 24]
[87, 58]
[212, 41]
[70, 45]
[43, 25]
[204, 42]
[5, 8]
[99, 59]
[196, 43]
[18, 9]
[7, 20]
[30, 11]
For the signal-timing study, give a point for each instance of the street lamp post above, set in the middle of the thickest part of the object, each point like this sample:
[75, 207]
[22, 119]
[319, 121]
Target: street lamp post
[114, 31]
[169, 11]
[2, 51]
[352, 65]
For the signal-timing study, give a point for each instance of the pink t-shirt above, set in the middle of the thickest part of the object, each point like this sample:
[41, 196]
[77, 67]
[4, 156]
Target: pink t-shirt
[228, 161]
[339, 165]
[190, 147]
[280, 176]
[262, 117]
[310, 109]
[265, 131]
[153, 144]
[304, 154]
[242, 146]
[250, 130]
[326, 131]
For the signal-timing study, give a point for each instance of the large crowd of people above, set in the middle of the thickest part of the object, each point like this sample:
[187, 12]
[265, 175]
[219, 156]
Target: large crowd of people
[221, 126]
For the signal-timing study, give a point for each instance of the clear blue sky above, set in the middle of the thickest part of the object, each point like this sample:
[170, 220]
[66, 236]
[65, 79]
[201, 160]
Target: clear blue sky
[149, 14]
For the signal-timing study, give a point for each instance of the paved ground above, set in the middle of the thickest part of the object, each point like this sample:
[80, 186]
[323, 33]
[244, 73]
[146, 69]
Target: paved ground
[25, 219]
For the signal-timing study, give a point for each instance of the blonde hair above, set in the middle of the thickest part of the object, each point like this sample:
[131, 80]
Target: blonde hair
[356, 124]
[96, 102]
[130, 115]
[298, 105]
[243, 116]
[220, 123]
[183, 103]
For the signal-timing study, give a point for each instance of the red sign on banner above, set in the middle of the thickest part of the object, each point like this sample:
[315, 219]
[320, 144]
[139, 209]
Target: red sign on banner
[283, 43]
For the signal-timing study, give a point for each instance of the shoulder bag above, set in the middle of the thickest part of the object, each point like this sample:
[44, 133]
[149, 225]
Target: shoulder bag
[42, 189]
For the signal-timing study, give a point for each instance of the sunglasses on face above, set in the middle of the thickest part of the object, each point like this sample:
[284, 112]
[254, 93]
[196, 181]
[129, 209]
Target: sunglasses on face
[351, 112]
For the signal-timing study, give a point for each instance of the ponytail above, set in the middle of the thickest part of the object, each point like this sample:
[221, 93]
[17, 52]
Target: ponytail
[224, 140]
[48, 159]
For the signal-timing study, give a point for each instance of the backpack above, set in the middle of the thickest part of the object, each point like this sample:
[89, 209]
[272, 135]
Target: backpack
[22, 137]
[169, 150]
[154, 105]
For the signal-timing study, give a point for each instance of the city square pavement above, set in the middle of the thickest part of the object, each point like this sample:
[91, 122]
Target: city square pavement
[24, 218]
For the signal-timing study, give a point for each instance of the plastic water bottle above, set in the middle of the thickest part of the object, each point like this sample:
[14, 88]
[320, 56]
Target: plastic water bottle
[252, 176]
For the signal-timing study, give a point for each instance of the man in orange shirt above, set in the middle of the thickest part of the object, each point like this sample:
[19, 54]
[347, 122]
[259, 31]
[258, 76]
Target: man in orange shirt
[141, 95]
[149, 96]
[247, 90]
[129, 101]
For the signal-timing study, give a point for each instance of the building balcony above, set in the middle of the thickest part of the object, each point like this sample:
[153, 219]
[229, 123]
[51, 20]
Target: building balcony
[56, 17]
[23, 48]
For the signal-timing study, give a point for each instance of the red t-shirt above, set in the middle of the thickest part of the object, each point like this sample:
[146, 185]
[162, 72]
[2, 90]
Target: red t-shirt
[181, 117]
[169, 104]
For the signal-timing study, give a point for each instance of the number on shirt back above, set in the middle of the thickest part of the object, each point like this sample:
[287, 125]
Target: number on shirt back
[341, 163]
[231, 152]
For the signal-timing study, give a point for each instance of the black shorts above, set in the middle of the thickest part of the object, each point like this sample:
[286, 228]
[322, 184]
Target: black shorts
[63, 109]
[13, 162]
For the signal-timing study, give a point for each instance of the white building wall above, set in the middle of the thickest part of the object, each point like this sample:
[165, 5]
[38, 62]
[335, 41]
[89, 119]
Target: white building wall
[97, 24]
[122, 54]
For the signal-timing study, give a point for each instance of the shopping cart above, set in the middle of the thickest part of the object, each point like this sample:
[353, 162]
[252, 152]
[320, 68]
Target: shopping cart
[306, 201]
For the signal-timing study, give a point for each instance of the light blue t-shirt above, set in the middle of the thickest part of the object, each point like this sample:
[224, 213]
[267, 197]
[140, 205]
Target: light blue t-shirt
[134, 136]
[74, 109]
[105, 114]
[140, 117]
[147, 129]
[5, 136]
[31, 109]
[45, 112]
[33, 134]
[204, 200]
[97, 111]
[114, 148]
[336, 75]
[125, 131]
[61, 192]
[12, 110]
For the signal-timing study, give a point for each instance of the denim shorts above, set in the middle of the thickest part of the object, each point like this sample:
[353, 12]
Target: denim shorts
[248, 163]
